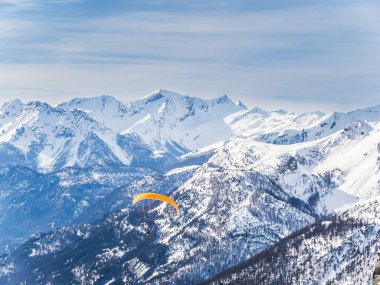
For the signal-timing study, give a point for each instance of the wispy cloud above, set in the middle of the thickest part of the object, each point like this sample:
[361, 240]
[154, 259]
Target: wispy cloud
[17, 3]
[297, 55]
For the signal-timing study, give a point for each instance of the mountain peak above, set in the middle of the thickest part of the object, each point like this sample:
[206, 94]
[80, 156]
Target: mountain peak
[223, 99]
[38, 105]
[106, 98]
[103, 99]
[173, 96]
[97, 106]
[161, 93]
[259, 111]
[13, 106]
[281, 111]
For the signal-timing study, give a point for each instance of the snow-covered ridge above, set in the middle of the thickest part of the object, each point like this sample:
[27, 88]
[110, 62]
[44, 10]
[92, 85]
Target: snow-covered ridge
[47, 138]
[321, 127]
[165, 120]
[102, 130]
[167, 123]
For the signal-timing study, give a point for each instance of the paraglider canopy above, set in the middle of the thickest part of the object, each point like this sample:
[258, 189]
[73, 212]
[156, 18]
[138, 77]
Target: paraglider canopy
[155, 196]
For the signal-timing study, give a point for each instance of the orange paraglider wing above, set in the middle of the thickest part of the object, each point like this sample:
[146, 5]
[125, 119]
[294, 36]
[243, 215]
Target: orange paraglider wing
[155, 196]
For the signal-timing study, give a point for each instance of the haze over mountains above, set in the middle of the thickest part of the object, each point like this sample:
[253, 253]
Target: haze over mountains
[245, 179]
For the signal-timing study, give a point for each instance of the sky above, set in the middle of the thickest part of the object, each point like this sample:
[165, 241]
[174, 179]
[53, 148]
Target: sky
[296, 55]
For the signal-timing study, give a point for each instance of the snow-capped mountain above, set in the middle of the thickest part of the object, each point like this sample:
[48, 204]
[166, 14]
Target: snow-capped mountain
[248, 195]
[165, 120]
[45, 138]
[244, 180]
[153, 131]
[341, 250]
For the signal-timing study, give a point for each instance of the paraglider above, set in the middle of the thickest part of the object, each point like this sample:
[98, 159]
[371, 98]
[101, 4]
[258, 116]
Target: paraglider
[155, 196]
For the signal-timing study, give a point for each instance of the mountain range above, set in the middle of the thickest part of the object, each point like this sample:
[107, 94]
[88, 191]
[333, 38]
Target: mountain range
[255, 188]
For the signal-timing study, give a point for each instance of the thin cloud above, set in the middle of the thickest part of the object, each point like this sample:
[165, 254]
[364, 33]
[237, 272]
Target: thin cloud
[64, 1]
[18, 3]
[303, 56]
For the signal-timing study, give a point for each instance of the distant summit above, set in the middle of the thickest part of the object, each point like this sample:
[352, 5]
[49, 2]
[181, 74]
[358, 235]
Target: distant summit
[166, 120]
[49, 138]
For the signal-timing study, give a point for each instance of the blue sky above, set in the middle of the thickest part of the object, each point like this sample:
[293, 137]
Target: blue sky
[297, 55]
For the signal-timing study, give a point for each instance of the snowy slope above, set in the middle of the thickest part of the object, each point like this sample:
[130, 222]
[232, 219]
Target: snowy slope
[355, 153]
[341, 250]
[349, 156]
[310, 176]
